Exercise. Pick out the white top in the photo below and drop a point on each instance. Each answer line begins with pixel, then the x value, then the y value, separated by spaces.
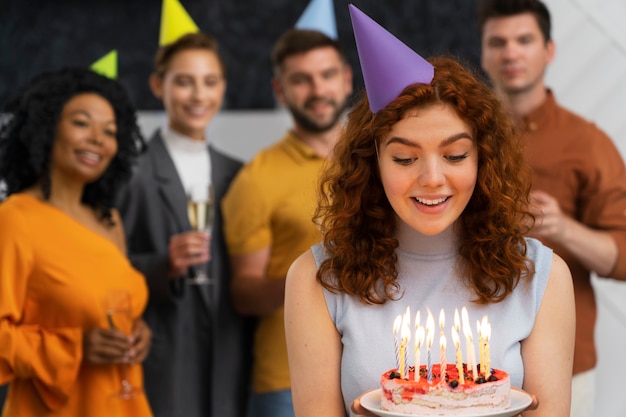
pixel 191 159
pixel 429 279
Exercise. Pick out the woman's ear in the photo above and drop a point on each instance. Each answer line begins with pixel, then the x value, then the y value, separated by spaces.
pixel 156 85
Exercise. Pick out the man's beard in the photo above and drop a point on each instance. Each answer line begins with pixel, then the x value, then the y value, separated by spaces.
pixel 306 123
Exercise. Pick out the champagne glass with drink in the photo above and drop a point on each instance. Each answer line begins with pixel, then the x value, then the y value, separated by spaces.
pixel 119 317
pixel 201 211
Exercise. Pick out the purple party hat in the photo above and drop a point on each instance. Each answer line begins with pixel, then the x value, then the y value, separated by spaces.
pixel 319 15
pixel 388 65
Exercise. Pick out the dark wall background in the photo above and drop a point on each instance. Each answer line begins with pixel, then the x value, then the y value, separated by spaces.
pixel 39 35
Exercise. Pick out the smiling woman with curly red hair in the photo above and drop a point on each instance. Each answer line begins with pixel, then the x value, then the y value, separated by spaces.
pixel 353 197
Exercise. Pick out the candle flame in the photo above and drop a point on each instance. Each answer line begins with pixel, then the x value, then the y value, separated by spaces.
pixel 457 320
pixel 396 324
pixel 478 329
pixel 419 336
pixel 417 319
pixel 487 331
pixel 405 332
pixel 442 341
pixel 467 330
pixel 442 319
pixel 430 329
pixel 484 324
pixel 455 337
pixel 406 325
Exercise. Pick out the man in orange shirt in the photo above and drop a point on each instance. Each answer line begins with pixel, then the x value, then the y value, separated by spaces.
pixel 579 182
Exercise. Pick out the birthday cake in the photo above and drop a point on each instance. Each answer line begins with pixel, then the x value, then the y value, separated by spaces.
pixel 434 396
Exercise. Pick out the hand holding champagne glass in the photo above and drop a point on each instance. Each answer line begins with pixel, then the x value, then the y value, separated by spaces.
pixel 119 317
pixel 201 211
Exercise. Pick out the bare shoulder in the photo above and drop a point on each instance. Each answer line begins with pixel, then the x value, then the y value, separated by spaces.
pixel 560 288
pixel 560 271
pixel 305 260
pixel 303 271
pixel 304 298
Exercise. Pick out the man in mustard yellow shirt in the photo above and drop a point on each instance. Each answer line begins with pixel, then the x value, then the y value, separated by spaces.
pixel 269 207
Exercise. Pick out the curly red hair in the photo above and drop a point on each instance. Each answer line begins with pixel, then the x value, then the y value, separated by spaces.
pixel 358 223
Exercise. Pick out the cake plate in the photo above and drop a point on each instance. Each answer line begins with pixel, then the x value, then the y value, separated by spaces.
pixel 520 400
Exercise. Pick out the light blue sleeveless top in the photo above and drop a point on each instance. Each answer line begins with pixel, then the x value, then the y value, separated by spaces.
pixel 427 277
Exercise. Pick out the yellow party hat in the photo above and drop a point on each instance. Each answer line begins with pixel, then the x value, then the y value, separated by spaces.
pixel 107 65
pixel 175 22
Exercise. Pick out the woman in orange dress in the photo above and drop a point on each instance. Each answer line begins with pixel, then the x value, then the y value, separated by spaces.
pixel 69 144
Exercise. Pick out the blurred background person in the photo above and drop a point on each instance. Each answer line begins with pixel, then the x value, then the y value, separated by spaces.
pixel 198 365
pixel 269 207
pixel 579 184
pixel 65 151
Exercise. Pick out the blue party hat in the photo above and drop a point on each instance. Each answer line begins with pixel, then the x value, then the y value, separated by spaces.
pixel 388 65
pixel 319 15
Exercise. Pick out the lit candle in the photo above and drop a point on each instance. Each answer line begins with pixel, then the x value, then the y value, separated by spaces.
pixel 469 344
pixel 442 345
pixel 459 356
pixel 481 352
pixel 396 328
pixel 442 358
pixel 459 359
pixel 404 343
pixel 484 328
pixel 487 335
pixel 419 339
pixel 402 353
pixel 430 330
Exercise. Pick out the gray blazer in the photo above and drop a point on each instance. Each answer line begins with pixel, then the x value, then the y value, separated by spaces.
pixel 199 362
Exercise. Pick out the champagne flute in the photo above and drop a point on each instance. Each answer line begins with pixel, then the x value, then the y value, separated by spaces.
pixel 201 211
pixel 119 317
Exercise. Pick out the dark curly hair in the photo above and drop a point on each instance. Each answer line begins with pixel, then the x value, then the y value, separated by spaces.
pixel 26 140
pixel 359 224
